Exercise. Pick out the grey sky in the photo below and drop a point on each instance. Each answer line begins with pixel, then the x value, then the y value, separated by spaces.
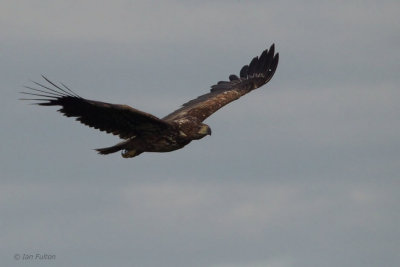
pixel 302 172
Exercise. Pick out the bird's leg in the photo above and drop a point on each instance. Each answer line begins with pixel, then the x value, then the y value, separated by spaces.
pixel 130 153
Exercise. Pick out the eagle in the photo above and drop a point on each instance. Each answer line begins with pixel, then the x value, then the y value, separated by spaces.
pixel 143 132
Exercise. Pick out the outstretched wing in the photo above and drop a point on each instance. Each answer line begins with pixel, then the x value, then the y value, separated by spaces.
pixel 252 76
pixel 121 120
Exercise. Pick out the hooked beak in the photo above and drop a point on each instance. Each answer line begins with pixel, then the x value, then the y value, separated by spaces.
pixel 204 130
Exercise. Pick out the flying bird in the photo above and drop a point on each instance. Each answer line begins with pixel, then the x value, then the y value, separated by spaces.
pixel 143 132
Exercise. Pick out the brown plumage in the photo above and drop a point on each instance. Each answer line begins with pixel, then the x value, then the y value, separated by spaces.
pixel 143 132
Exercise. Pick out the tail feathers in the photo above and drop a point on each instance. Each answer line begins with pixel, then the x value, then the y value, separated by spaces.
pixel 111 149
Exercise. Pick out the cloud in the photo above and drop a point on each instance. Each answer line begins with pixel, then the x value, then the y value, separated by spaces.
pixel 300 172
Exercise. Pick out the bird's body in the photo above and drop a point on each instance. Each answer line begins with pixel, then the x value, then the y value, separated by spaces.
pixel 143 132
pixel 179 134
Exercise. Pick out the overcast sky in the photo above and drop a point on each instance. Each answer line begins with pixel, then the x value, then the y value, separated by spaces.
pixel 301 172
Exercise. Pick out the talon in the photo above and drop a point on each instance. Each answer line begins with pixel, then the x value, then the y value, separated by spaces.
pixel 128 153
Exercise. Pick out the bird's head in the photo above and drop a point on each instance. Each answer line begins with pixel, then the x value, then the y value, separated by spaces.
pixel 200 131
pixel 191 129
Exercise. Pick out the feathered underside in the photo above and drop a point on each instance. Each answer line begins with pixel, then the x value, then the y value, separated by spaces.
pixel 252 76
pixel 121 120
